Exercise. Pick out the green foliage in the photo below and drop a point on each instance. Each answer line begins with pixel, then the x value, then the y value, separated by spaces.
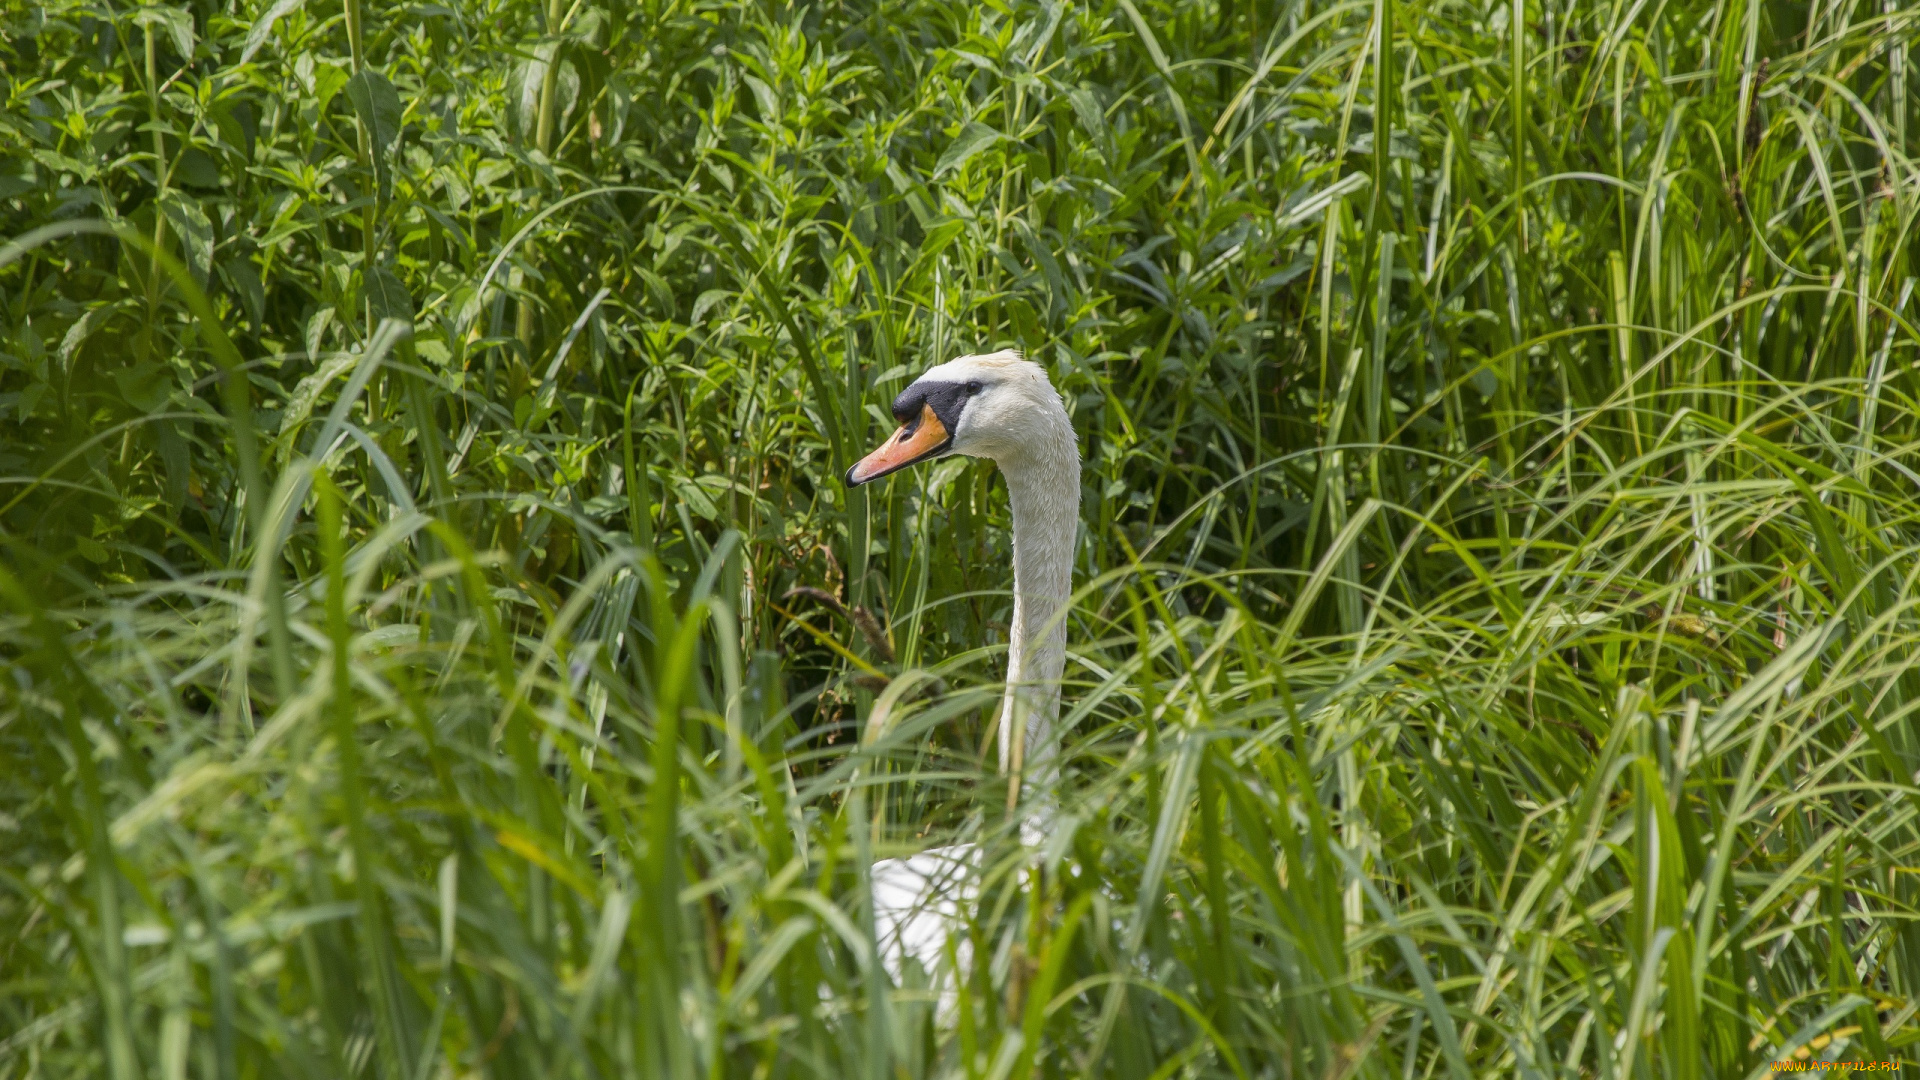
pixel 438 645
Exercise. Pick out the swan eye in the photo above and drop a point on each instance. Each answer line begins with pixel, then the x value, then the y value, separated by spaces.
pixel 973 387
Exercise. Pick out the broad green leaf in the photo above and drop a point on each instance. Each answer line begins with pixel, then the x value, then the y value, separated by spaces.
pixel 383 296
pixel 175 23
pixel 263 26
pixel 378 106
pixel 144 385
pixel 195 232
pixel 973 138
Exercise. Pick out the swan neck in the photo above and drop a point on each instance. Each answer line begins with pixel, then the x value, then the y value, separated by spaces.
pixel 1043 487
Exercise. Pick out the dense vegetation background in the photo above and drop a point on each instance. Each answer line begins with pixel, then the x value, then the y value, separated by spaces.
pixel 437 644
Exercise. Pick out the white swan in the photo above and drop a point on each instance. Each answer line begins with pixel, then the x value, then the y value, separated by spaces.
pixel 1001 407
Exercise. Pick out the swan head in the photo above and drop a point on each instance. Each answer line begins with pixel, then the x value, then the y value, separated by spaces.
pixel 997 406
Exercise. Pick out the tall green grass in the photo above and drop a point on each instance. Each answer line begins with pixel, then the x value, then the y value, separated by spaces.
pixel 437 644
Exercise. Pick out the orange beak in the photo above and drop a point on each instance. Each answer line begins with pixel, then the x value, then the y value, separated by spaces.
pixel 916 440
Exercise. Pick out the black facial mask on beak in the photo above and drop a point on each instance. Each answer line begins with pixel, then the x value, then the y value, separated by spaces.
pixel 928 414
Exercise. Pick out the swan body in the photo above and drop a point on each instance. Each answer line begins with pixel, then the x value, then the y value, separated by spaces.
pixel 917 903
pixel 1001 407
